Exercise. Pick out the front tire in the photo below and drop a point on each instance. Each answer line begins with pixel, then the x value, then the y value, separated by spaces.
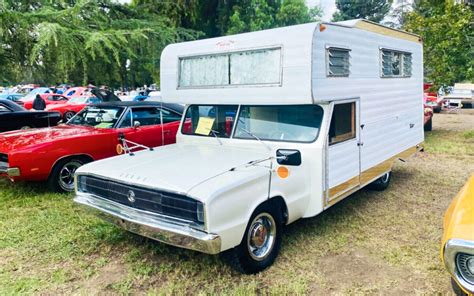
pixel 261 242
pixel 62 175
pixel 381 183
pixel 456 289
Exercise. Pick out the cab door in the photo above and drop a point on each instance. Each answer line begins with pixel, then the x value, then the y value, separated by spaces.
pixel 142 125
pixel 343 151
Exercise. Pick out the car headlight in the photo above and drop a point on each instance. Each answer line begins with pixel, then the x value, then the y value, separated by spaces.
pixel 459 260
pixel 465 266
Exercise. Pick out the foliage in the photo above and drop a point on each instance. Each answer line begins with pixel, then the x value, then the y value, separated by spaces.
pixel 446 29
pixel 261 14
pixel 373 10
pixel 83 42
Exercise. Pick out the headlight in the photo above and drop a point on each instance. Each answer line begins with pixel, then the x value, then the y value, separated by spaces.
pixel 465 266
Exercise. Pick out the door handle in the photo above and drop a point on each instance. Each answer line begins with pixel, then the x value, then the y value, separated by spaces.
pixel 360 144
pixel 167 132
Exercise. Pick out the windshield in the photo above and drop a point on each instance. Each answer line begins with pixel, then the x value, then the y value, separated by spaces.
pixel 32 94
pixel 210 120
pixel 290 123
pixel 300 123
pixel 105 117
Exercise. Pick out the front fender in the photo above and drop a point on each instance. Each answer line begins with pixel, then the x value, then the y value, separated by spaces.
pixel 230 201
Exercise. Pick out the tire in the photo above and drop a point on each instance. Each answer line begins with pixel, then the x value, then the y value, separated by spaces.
pixel 437 109
pixel 381 183
pixel 428 127
pixel 68 115
pixel 456 289
pixel 61 178
pixel 254 255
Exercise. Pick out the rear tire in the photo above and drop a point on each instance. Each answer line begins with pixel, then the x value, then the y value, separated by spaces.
pixel 261 242
pixel 429 125
pixel 61 178
pixel 381 183
pixel 68 115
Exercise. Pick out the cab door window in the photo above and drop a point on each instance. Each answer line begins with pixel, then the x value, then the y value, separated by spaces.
pixel 342 123
pixel 146 116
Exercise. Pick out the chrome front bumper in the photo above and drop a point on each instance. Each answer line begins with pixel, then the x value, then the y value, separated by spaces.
pixel 11 172
pixel 153 226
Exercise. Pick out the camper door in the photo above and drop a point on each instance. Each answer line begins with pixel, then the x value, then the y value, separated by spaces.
pixel 343 150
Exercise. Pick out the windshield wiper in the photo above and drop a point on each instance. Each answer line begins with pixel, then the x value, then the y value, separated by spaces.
pixel 214 133
pixel 255 137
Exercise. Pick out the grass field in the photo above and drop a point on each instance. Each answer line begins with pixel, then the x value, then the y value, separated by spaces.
pixel 370 243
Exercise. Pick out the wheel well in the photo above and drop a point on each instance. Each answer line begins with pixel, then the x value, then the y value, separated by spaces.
pixel 280 204
pixel 85 157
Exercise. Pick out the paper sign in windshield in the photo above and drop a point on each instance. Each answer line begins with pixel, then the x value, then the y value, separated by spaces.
pixel 204 126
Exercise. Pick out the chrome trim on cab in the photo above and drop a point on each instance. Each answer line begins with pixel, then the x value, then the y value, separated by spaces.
pixel 451 249
pixel 157 227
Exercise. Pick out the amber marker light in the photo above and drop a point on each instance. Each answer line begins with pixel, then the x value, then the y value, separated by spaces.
pixel 283 172
pixel 119 149
pixel 322 27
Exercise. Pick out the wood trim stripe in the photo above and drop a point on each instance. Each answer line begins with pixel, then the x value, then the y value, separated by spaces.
pixel 336 190
pixel 344 189
pixel 375 28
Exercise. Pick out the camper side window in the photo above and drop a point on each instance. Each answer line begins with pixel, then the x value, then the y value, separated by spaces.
pixel 338 62
pixel 395 63
pixel 342 123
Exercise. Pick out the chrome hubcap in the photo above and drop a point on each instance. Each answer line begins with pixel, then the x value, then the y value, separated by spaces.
pixel 385 178
pixel 261 236
pixel 66 175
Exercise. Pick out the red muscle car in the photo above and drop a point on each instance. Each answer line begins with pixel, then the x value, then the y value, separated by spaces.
pixel 76 103
pixel 49 99
pixel 53 154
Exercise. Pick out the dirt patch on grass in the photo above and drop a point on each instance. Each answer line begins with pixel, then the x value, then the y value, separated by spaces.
pixel 360 272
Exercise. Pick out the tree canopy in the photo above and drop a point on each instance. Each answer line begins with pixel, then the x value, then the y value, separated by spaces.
pixel 448 40
pixel 372 10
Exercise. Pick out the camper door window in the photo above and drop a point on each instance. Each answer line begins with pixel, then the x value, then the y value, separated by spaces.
pixel 342 123
pixel 251 67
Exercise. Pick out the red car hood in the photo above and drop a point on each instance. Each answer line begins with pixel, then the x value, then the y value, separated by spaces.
pixel 26 139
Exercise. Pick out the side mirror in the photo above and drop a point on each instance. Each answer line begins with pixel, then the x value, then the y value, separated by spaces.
pixel 288 157
pixel 136 124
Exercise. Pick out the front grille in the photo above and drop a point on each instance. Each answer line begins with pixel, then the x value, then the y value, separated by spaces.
pixel 3 157
pixel 160 202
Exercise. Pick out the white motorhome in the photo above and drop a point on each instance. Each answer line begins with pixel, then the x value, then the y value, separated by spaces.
pixel 280 125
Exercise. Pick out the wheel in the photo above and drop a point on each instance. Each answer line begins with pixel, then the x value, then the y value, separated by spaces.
pixel 381 183
pixel 68 115
pixel 261 242
pixel 437 109
pixel 428 127
pixel 62 175
pixel 457 290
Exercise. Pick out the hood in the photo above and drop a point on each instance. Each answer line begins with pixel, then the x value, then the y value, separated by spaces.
pixel 21 139
pixel 175 168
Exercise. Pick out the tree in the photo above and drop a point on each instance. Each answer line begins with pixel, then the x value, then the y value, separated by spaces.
pixel 253 15
pixel 372 10
pixel 446 29
pixel 83 42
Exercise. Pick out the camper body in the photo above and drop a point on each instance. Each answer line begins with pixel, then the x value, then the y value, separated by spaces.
pixel 280 125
